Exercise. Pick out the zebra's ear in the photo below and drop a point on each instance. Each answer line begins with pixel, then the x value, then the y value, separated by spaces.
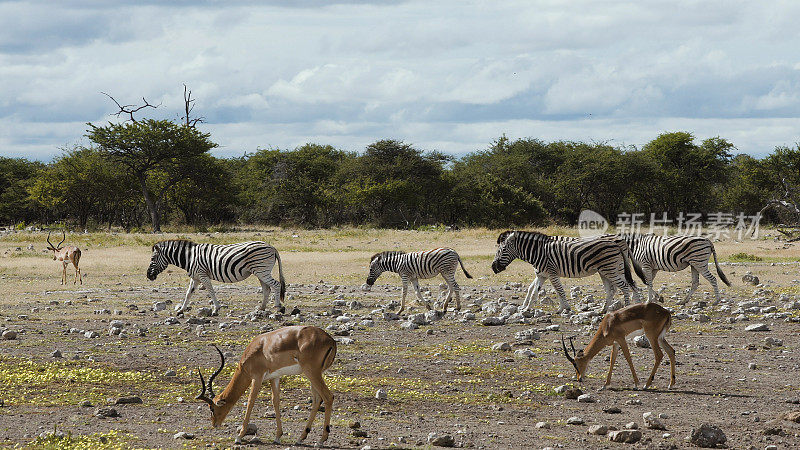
pixel 503 236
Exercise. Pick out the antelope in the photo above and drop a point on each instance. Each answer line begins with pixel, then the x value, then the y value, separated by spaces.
pixel 66 255
pixel 654 319
pixel 290 350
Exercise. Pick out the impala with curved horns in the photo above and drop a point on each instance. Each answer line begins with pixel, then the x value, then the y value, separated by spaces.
pixel 68 254
pixel 654 319
pixel 290 350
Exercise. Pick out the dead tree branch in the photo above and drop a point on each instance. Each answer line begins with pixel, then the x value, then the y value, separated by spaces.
pixel 188 105
pixel 129 110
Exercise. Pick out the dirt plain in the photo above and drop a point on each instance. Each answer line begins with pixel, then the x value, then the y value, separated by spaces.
pixel 442 377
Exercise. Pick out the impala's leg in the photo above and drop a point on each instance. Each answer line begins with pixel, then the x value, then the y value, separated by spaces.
pixel 318 384
pixel 671 354
pixel 614 351
pixel 562 297
pixel 405 291
pixel 695 283
pixel 78 274
pixel 703 269
pixel 659 355
pixel 180 307
pixel 276 405
pixel 624 346
pixel 317 399
pixel 64 273
pixel 422 301
pixel 255 386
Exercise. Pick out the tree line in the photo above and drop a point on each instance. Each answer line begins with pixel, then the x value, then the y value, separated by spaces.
pixel 141 174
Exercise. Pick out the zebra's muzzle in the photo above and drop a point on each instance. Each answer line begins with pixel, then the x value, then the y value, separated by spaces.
pixel 497 268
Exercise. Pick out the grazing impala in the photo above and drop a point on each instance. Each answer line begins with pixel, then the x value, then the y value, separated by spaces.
pixel 290 350
pixel 66 255
pixel 654 319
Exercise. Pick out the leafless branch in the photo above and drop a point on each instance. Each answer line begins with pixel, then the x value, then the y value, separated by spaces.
pixel 130 110
pixel 188 104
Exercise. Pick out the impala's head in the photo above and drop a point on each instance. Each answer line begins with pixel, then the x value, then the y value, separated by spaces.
pixel 158 261
pixel 219 407
pixel 579 362
pixel 55 248
pixel 506 251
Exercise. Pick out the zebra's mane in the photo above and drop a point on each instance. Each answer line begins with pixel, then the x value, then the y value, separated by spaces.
pixel 531 234
pixel 166 241
pixel 386 253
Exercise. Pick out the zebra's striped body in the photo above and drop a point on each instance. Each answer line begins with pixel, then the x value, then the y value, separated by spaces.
pixel 554 257
pixel 673 254
pixel 413 266
pixel 227 263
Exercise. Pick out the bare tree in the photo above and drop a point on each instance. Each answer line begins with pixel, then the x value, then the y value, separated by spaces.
pixel 130 110
pixel 188 106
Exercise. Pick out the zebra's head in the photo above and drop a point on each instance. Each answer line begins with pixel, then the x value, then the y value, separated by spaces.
pixel 376 268
pixel 506 251
pixel 158 262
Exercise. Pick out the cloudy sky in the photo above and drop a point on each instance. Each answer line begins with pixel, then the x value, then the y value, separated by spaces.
pixel 441 75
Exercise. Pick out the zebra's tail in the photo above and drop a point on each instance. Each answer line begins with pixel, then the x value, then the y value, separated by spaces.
pixel 626 264
pixel 280 276
pixel 719 271
pixel 629 261
pixel 462 268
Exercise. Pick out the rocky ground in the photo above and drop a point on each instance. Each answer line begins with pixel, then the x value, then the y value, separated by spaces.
pixel 114 367
pixel 109 365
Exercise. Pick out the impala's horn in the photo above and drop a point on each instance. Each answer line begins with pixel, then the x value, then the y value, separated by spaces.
pixel 214 375
pixel 566 353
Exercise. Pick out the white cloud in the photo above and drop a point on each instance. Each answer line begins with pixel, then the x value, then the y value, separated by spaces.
pixel 446 75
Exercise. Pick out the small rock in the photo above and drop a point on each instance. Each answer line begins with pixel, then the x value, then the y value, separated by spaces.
pixel 502 346
pixel 757 327
pixel 751 279
pixel 56 354
pixel 652 421
pixel 131 400
pixel 586 398
pixel 625 436
pixel 359 433
pixel 170 373
pixel 86 404
pixel 752 366
pixel 792 416
pixel 355 425
pixel 562 389
pixel 598 430
pixel 91 334
pixel 612 410
pixel 441 440
pixel 183 435
pixel 205 311
pixel 572 393
pixel 708 436
pixel 542 425
pixel 252 429
pixel 524 353
pixel 381 394
pixel 9 335
pixel 574 420
pixel 492 321
pixel 409 325
pixel 631 426
pixel 104 413
pixel 641 341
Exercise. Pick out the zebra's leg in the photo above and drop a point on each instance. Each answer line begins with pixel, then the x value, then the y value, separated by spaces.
pixel 562 296
pixel 695 283
pixel 422 301
pixel 533 290
pixel 180 307
pixel 623 286
pixel 405 291
pixel 207 283
pixel 270 285
pixel 711 279
pixel 608 286
pixel 452 288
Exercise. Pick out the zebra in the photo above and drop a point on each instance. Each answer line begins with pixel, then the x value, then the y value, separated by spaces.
pixel 673 254
pixel 227 263
pixel 555 256
pixel 413 266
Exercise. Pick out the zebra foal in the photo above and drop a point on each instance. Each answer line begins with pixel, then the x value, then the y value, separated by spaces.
pixel 227 263
pixel 413 266
pixel 673 254
pixel 554 257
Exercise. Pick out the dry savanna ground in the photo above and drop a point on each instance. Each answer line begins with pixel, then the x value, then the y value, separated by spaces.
pixel 442 377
